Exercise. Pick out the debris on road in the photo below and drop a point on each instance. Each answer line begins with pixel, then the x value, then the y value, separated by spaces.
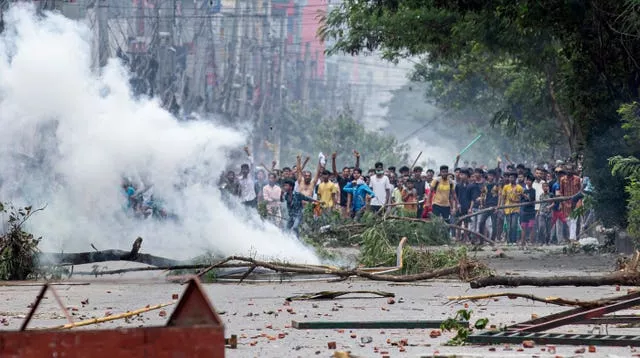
pixel 417 324
pixel 329 295
pixel 550 300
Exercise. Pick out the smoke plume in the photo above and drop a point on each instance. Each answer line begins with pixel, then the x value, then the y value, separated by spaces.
pixel 69 135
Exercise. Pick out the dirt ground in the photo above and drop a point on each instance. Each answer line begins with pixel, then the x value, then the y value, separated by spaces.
pixel 255 310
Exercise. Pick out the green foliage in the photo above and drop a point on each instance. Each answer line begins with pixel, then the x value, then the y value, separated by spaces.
pixel 625 166
pixel 633 206
pixel 376 250
pixel 18 249
pixel 331 229
pixel 629 167
pixel 460 324
pixel 313 132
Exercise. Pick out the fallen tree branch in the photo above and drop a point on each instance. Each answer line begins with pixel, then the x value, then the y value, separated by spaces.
pixel 157 268
pixel 133 255
pixel 330 295
pixel 461 270
pixel 625 279
pixel 550 300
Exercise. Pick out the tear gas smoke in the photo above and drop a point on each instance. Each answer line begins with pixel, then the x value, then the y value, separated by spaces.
pixel 70 135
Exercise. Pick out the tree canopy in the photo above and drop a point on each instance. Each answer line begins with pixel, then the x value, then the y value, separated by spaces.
pixel 534 67
pixel 313 132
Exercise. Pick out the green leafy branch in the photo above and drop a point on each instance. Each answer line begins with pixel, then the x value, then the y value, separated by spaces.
pixel 460 324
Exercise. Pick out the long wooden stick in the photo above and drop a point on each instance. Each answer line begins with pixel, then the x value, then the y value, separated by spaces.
pixel 113 317
pixel 551 300
pixel 415 161
pixel 545 201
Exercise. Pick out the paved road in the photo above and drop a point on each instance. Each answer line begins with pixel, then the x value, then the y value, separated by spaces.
pixel 253 311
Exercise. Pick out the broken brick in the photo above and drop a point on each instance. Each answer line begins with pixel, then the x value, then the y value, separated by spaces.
pixel 162 313
pixel 528 344
pixel 331 345
pixel 580 350
pixel 175 296
pixel 390 300
pixel 592 349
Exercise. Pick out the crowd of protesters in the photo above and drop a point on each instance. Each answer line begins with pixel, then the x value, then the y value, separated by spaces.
pixel 452 195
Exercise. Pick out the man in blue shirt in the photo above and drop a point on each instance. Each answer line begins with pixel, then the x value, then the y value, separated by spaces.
pixel 358 190
pixel 294 201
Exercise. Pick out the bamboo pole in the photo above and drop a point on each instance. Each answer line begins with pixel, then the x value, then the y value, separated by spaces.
pixel 113 317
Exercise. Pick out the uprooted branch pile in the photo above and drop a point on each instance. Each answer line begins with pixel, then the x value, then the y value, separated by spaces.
pixel 18 249
pixel 331 229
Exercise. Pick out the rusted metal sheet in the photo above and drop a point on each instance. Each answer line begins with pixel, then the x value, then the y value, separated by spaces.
pixel 193 330
pixel 535 329
pixel 577 316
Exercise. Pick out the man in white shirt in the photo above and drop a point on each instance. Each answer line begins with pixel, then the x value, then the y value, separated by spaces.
pixel 247 184
pixel 537 185
pixel 381 186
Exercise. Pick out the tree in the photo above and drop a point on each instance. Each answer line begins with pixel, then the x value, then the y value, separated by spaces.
pixel 311 132
pixel 584 51
pixel 629 167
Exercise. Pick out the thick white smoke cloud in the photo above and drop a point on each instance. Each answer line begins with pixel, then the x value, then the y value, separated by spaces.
pixel 101 134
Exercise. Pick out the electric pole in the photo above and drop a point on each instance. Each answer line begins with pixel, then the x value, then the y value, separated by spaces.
pixel 232 66
pixel 103 34
pixel 265 64
pixel 245 53
pixel 279 117
pixel 305 77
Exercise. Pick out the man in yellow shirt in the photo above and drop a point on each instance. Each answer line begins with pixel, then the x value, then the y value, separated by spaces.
pixel 328 191
pixel 512 194
pixel 443 196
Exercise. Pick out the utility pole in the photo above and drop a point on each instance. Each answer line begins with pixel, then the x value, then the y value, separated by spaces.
pixel 245 53
pixel 305 77
pixel 103 34
pixel 265 65
pixel 279 117
pixel 228 102
pixel 165 50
